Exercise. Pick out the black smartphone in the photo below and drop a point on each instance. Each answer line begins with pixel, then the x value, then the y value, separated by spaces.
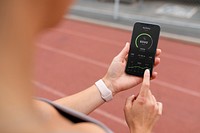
pixel 143 48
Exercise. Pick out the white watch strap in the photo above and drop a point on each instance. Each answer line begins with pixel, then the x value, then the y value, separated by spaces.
pixel 106 93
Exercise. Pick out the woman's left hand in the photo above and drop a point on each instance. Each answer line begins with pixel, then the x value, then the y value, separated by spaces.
pixel 117 80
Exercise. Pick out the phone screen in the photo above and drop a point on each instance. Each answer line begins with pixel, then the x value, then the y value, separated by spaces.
pixel 143 48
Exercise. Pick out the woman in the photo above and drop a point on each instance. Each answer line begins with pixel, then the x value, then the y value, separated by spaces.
pixel 21 21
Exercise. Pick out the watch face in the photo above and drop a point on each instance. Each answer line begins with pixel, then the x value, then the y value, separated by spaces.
pixel 143 48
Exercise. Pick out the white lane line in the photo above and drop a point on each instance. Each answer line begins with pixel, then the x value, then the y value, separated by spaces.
pixel 187 91
pixel 75 56
pixel 74 33
pixel 103 40
pixel 182 59
pixel 110 116
pixel 48 89
pixel 177 88
pixel 97 111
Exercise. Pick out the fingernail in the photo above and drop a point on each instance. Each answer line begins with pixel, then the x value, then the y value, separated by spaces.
pixel 127 43
pixel 147 72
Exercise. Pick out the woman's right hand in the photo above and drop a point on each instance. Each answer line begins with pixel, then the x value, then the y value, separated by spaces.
pixel 143 111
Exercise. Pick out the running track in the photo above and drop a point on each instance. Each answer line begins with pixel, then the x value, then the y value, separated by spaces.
pixel 74 55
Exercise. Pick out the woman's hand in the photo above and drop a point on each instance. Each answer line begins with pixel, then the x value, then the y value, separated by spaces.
pixel 116 79
pixel 143 111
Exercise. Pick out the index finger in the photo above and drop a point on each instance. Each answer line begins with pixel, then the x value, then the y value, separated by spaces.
pixel 145 84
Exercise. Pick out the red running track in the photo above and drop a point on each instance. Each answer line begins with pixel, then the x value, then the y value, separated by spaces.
pixel 72 56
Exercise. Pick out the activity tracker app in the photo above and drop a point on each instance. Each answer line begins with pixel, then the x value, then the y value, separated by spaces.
pixel 143 48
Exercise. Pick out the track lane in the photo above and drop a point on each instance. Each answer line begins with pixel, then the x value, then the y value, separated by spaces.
pixel 67 72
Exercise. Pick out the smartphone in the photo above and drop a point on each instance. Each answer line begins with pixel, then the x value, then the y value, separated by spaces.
pixel 143 47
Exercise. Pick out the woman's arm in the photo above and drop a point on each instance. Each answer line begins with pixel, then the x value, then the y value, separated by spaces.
pixel 115 79
pixel 85 101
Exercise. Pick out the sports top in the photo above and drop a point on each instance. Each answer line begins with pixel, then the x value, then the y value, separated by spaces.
pixel 74 116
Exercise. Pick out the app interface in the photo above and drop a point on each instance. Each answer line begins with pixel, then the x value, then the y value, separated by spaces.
pixel 143 48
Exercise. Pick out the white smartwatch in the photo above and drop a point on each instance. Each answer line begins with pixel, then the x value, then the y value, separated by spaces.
pixel 106 93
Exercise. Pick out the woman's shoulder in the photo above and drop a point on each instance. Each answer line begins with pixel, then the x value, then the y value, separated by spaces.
pixel 52 117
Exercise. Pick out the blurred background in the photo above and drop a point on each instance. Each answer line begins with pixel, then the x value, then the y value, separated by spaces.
pixel 175 16
pixel 76 53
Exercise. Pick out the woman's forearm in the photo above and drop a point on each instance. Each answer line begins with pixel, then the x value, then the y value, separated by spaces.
pixel 85 101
